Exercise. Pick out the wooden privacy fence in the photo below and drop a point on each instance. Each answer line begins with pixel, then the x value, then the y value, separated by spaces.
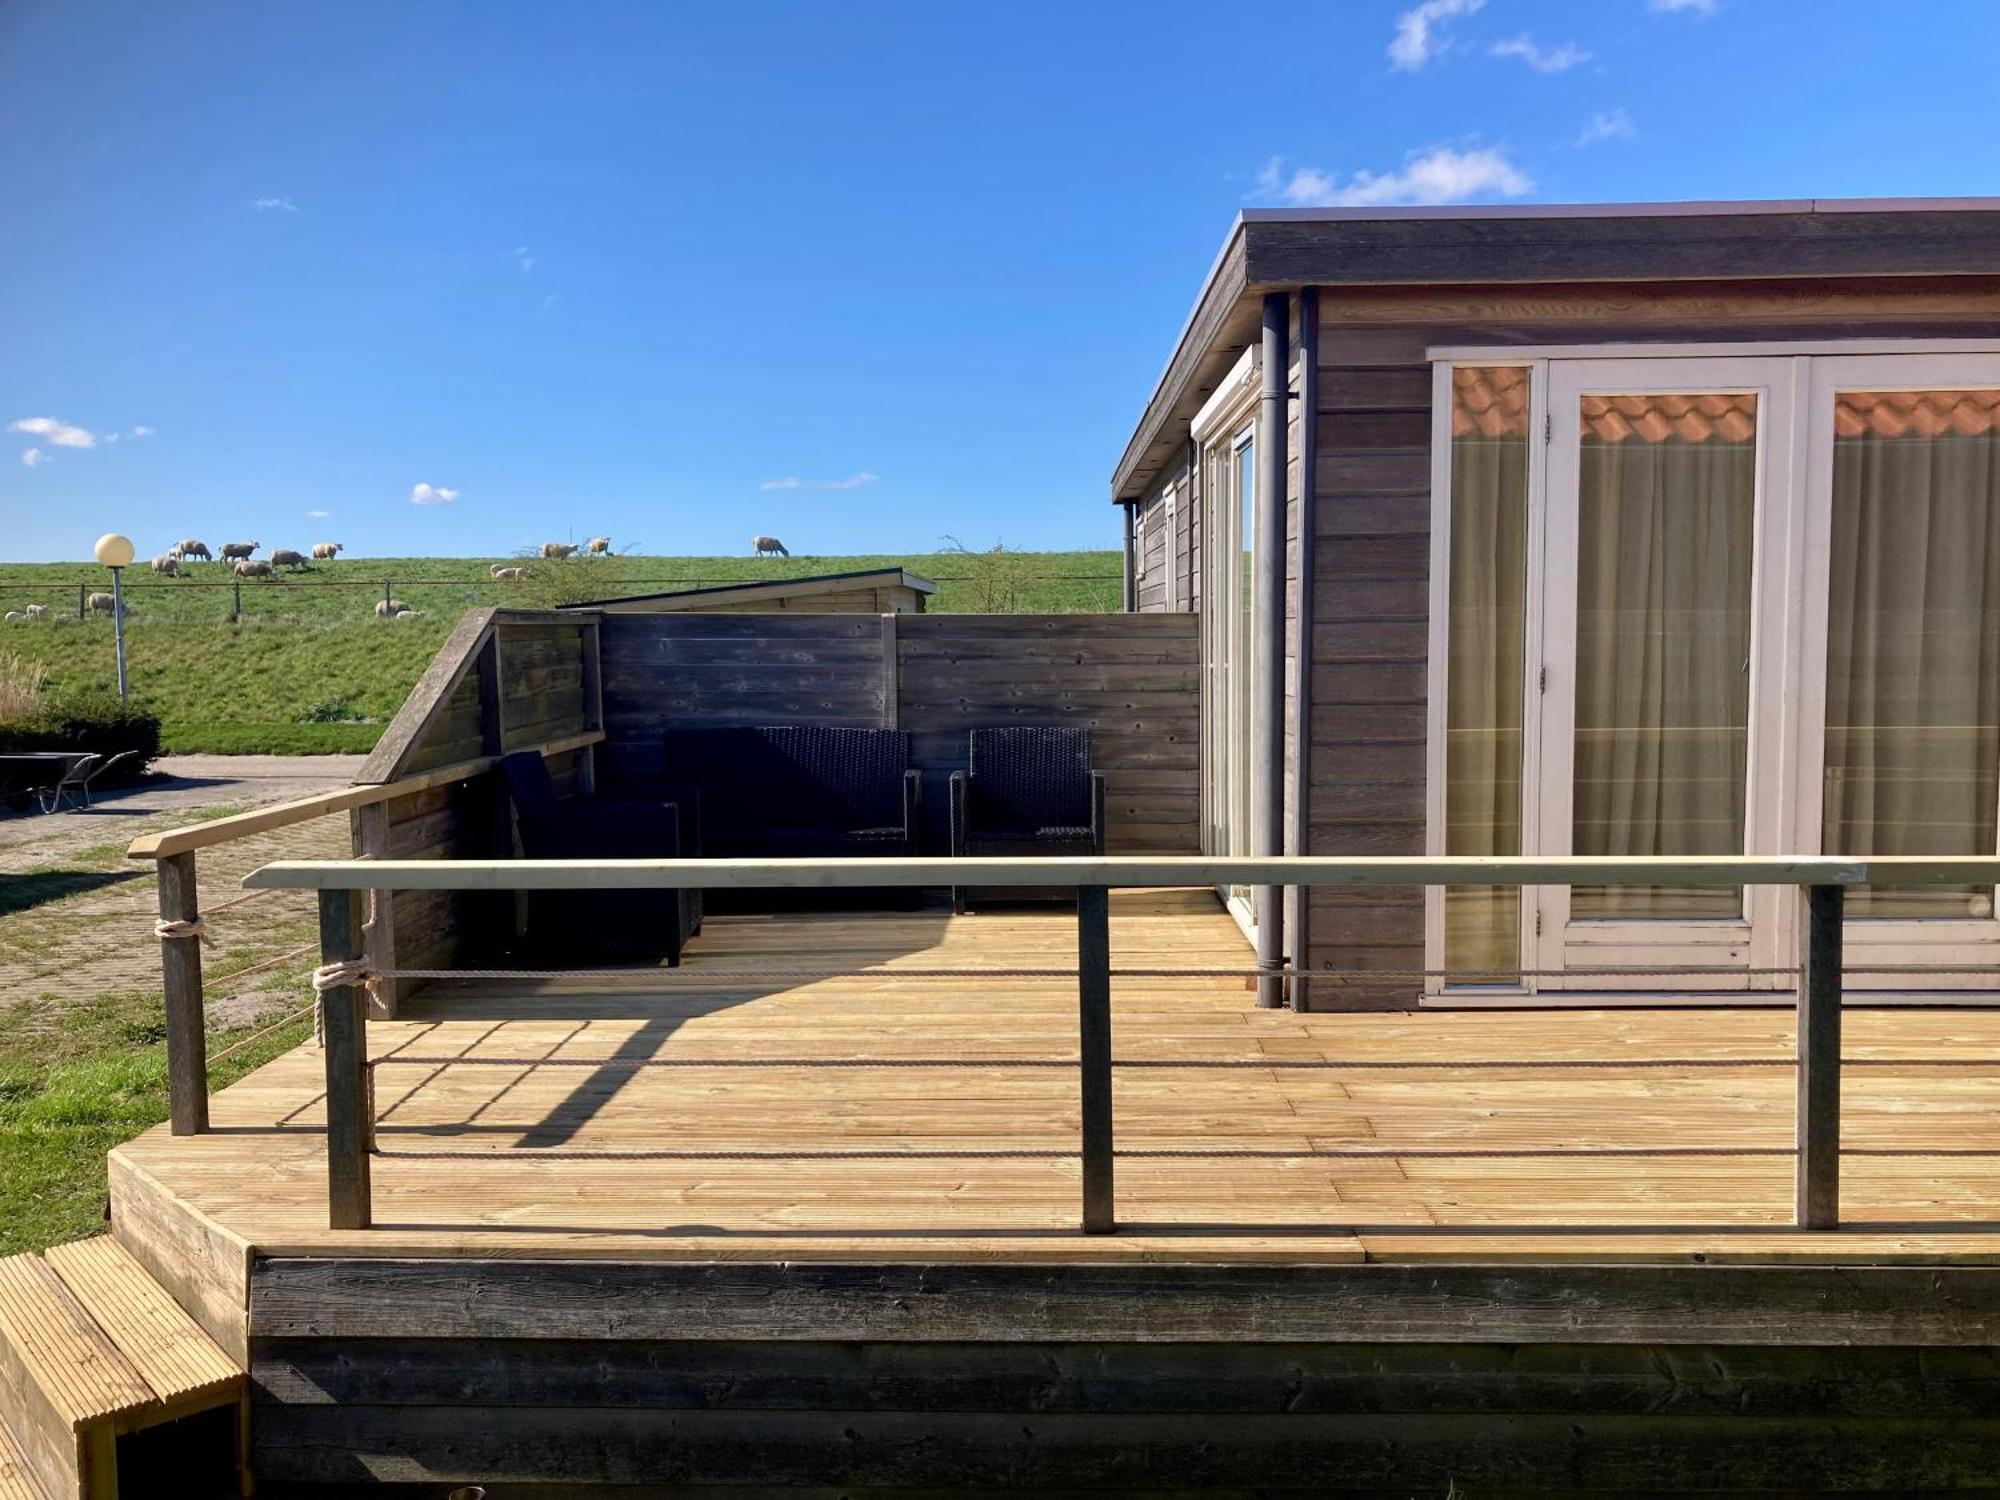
pixel 505 680
pixel 345 970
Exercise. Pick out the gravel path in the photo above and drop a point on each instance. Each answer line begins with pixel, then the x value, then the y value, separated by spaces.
pixel 76 916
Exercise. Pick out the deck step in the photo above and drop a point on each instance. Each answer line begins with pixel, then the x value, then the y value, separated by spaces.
pixel 17 1479
pixel 90 1348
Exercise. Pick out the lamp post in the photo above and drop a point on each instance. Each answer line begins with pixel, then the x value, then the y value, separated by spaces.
pixel 115 552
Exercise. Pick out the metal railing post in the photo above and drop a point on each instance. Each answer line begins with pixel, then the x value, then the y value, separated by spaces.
pixel 1093 988
pixel 180 973
pixel 1818 1120
pixel 349 1126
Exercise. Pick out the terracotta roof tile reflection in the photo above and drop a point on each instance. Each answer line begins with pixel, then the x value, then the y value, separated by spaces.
pixel 1492 402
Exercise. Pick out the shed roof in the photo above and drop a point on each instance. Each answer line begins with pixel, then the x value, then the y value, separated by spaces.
pixel 772 588
pixel 1280 249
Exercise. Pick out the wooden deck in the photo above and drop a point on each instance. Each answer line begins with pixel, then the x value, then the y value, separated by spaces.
pixel 887 1119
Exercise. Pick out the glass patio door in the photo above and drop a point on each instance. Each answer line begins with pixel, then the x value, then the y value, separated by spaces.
pixel 1228 621
pixel 1900 745
pixel 1661 675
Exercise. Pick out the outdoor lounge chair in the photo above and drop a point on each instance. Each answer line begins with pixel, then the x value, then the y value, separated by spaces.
pixel 70 784
pixel 797 789
pixel 1025 792
pixel 635 925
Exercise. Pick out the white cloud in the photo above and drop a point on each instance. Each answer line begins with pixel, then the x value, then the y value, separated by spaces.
pixel 1524 48
pixel 1442 174
pixel 275 205
pixel 141 432
pixel 523 258
pixel 793 482
pixel 317 515
pixel 34 458
pixel 1611 125
pixel 431 494
pixel 1420 35
pixel 1672 7
pixel 62 434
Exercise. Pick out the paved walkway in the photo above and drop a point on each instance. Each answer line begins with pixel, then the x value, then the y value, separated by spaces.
pixel 76 916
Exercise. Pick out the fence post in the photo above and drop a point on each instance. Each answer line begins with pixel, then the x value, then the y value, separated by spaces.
pixel 236 594
pixel 388 591
pixel 349 1126
pixel 81 590
pixel 1818 1118
pixel 180 969
pixel 1093 986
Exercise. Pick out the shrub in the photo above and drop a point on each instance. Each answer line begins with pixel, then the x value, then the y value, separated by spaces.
pixel 92 719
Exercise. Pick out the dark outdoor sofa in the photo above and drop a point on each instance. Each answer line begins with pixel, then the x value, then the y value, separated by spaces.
pixel 643 926
pixel 1026 791
pixel 796 789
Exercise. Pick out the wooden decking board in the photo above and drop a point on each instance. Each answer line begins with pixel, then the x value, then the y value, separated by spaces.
pixel 68 1356
pixel 957 1136
pixel 178 1361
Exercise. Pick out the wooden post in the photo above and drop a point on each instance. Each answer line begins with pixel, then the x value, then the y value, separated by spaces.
pixel 82 591
pixel 371 841
pixel 1093 987
pixel 1819 1059
pixel 180 968
pixel 236 596
pixel 349 1126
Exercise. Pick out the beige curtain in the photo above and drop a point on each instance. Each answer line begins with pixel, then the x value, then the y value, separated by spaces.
pixel 1484 681
pixel 1665 532
pixel 1913 639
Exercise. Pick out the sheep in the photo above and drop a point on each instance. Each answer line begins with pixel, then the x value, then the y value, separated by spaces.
pixel 285 557
pixel 245 568
pixel 102 604
pixel 188 548
pixel 388 609
pixel 508 575
pixel 167 564
pixel 763 544
pixel 556 551
pixel 36 611
pixel 237 550
pixel 326 551
pixel 599 545
pixel 15 617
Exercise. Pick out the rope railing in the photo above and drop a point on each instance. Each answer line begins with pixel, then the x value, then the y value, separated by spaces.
pixel 343 977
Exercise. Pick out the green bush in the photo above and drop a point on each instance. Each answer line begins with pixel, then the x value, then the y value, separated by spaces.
pixel 89 719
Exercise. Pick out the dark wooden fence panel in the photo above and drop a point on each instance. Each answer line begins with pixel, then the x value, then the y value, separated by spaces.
pixel 1132 680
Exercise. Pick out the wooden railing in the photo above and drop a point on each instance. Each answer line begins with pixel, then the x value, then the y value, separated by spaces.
pixel 435 741
pixel 1821 882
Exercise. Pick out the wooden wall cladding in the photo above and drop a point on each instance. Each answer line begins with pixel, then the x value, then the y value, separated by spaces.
pixel 1132 680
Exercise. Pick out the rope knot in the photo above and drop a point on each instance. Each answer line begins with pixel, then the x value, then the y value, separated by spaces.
pixel 343 975
pixel 193 928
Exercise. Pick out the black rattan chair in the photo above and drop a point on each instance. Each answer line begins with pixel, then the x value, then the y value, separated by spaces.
pixel 797 789
pixel 635 925
pixel 1025 792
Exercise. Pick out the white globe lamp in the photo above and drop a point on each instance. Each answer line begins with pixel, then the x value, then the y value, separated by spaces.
pixel 116 553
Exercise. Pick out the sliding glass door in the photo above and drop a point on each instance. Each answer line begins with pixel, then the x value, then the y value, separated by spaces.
pixel 1229 617
pixel 1712 606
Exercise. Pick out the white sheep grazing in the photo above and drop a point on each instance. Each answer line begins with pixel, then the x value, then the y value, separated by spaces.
pixel 235 550
pixel 388 609
pixel 599 545
pixel 285 557
pixel 246 568
pixel 763 544
pixel 168 564
pixel 102 604
pixel 15 617
pixel 189 548
pixel 556 551
pixel 326 551
pixel 36 611
pixel 508 575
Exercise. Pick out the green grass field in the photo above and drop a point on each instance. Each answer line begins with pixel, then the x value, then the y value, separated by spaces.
pixel 309 668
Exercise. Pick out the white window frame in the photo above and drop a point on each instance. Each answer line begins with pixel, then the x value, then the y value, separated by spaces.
pixel 1793 537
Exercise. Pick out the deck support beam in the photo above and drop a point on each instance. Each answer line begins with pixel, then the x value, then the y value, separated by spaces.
pixel 349 1117
pixel 1267 701
pixel 1093 988
pixel 180 970
pixel 1818 1119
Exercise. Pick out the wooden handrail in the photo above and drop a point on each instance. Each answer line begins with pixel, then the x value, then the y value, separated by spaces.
pixel 1117 870
pixel 174 841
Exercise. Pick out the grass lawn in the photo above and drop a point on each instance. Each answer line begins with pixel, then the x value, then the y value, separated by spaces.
pixel 309 668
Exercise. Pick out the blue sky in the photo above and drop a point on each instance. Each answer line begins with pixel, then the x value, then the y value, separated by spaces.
pixel 857 275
